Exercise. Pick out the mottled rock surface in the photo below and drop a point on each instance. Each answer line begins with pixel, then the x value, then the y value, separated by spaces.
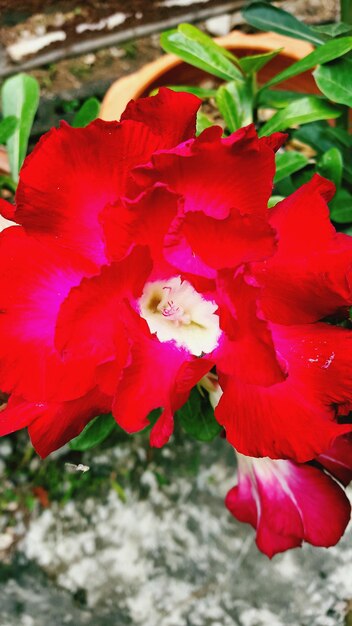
pixel 164 551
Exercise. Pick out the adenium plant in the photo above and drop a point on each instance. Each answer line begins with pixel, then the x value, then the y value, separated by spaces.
pixel 144 266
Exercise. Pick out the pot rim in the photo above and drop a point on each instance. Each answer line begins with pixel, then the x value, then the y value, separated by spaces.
pixel 134 85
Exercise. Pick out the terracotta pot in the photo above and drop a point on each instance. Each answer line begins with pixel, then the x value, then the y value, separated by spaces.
pixel 4 161
pixel 169 70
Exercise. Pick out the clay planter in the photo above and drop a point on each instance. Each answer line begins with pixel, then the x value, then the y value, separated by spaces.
pixel 169 70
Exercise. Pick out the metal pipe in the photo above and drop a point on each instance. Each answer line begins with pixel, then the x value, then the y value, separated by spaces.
pixel 111 39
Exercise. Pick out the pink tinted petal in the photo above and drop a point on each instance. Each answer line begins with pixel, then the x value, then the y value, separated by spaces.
pixel 338 459
pixel 269 421
pixel 240 501
pixel 35 278
pixel 288 504
pixel 309 277
pixel 181 255
pixel 168 114
pixel 90 320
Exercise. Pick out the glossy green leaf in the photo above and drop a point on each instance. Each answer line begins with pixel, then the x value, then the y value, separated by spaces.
pixel 7 183
pixel 341 207
pixel 299 112
pixel 330 165
pixel 277 98
pixel 94 433
pixel 329 51
pixel 335 81
pixel 191 31
pixel 202 123
pixel 196 48
pixel 347 172
pixel 7 127
pixel 235 103
pixel 333 30
pixel 254 63
pixel 287 163
pixel 269 18
pixel 200 92
pixel 273 201
pixel 341 135
pixel 197 418
pixel 315 134
pixel 88 112
pixel 20 97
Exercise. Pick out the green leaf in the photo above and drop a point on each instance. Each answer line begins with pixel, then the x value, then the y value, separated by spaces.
pixel 235 103
pixel 196 48
pixel 269 18
pixel 315 134
pixel 200 92
pixel 287 163
pixel 94 433
pixel 277 98
pixel 88 112
pixel 7 183
pixel 197 418
pixel 335 81
pixel 330 165
pixel 341 207
pixel 333 30
pixel 7 127
pixel 191 31
pixel 20 97
pixel 298 112
pixel 254 63
pixel 202 123
pixel 341 135
pixel 327 52
pixel 273 201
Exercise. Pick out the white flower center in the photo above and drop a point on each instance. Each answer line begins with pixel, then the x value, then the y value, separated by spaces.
pixel 177 312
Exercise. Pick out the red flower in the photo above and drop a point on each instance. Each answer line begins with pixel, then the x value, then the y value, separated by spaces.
pixel 142 258
pixel 288 503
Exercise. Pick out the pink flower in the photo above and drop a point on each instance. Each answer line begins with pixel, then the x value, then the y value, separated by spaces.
pixel 144 257
pixel 287 503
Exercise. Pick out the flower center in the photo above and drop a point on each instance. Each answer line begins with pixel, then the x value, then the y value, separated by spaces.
pixel 175 311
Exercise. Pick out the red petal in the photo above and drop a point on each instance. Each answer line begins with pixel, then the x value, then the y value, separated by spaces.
pixel 7 210
pixel 91 319
pixel 288 504
pixel 215 175
pixel 338 459
pixel 295 418
pixel 34 280
pixel 309 276
pixel 168 114
pixel 160 375
pixel 144 221
pixel 51 425
pixel 246 350
pixel 74 172
pixel 228 242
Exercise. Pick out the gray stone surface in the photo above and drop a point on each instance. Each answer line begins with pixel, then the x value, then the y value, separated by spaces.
pixel 169 555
